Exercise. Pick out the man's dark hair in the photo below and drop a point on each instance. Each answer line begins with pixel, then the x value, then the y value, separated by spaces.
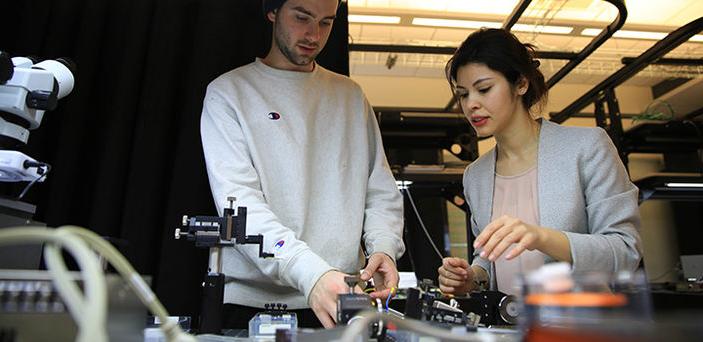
pixel 272 5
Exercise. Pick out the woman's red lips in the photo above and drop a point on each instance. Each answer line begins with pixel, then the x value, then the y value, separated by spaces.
pixel 478 121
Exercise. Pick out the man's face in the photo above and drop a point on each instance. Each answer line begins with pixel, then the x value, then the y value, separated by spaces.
pixel 301 29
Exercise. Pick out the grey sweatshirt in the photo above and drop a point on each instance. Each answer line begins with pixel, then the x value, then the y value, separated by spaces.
pixel 302 151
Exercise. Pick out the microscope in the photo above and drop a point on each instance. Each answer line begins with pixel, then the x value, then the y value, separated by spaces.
pixel 27 90
pixel 215 232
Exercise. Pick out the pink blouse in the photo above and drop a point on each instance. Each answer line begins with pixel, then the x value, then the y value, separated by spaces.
pixel 516 196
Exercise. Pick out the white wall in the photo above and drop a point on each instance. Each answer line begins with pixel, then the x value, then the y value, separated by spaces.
pixel 385 91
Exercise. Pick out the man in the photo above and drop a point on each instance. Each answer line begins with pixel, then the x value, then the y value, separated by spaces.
pixel 299 146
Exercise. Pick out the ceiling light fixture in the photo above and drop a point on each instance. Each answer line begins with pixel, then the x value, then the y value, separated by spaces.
pixel 373 19
pixel 627 34
pixel 543 28
pixel 684 185
pixel 435 22
pixel 494 7
pixel 455 23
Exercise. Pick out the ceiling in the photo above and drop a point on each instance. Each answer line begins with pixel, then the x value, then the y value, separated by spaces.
pixel 574 17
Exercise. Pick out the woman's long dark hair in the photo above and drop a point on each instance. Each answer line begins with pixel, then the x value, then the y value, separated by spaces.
pixel 501 51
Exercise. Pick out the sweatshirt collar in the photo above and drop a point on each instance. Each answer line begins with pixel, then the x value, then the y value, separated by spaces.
pixel 288 74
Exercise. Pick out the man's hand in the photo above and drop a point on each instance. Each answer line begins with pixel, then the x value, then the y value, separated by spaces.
pixel 455 276
pixel 323 297
pixel 385 275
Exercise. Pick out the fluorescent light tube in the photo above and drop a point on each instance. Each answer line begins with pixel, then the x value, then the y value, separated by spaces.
pixel 543 28
pixel 627 34
pixel 472 24
pixel 373 19
pixel 455 23
pixel 684 185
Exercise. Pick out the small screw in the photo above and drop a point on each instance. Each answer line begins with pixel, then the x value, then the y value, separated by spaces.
pixel 231 200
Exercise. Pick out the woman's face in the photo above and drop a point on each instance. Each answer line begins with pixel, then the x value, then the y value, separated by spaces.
pixel 488 100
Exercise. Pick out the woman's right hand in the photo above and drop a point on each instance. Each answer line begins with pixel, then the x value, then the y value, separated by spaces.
pixel 455 276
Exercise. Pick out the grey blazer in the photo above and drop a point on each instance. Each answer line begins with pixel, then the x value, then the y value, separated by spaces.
pixel 583 190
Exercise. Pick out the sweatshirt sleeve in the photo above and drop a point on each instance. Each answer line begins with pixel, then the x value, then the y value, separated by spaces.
pixel 231 173
pixel 612 243
pixel 383 215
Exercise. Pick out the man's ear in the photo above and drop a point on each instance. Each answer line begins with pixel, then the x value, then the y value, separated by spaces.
pixel 272 15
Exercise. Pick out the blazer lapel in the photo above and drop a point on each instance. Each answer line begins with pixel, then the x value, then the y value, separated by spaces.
pixel 545 173
pixel 486 175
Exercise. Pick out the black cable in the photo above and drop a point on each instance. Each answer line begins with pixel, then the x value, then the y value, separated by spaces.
pixel 422 225
pixel 42 172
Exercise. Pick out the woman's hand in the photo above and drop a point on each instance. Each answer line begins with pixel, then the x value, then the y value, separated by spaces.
pixel 505 231
pixel 455 276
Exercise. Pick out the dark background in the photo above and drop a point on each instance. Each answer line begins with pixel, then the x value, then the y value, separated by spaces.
pixel 125 145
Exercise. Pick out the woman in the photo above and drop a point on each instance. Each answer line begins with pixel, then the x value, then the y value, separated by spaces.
pixel 546 192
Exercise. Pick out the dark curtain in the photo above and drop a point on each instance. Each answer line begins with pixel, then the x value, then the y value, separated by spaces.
pixel 125 144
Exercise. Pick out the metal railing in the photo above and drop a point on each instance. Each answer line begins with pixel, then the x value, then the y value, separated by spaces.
pixel 652 55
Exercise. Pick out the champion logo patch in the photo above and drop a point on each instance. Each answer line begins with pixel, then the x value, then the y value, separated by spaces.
pixel 279 244
pixel 274 116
